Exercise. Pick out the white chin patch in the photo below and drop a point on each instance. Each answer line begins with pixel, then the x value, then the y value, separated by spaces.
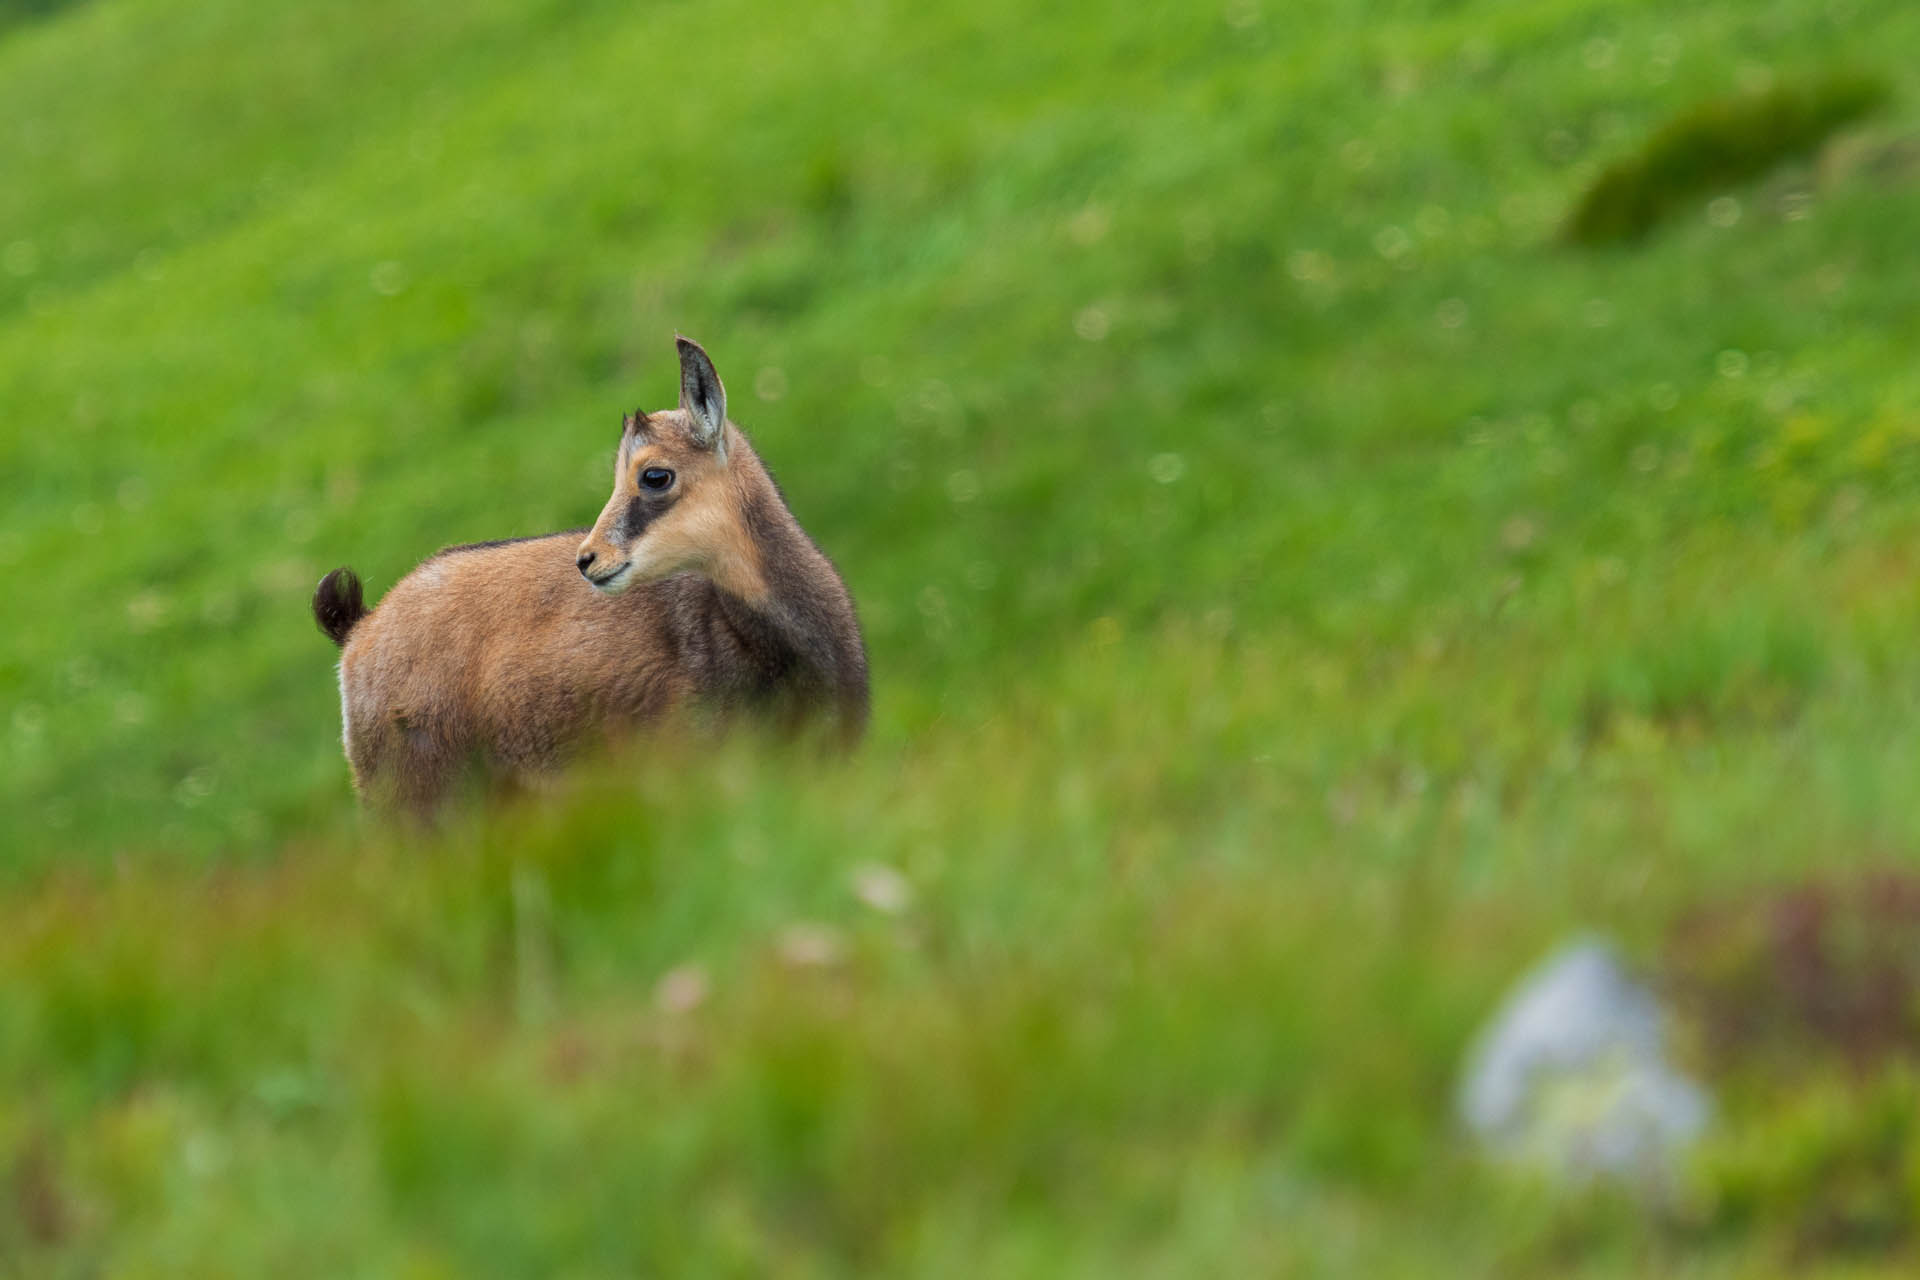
pixel 619 582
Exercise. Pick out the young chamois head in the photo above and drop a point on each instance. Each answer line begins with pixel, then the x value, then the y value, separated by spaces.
pixel 674 506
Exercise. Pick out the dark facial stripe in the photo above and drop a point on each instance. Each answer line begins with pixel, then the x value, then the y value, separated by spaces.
pixel 638 516
pixel 642 510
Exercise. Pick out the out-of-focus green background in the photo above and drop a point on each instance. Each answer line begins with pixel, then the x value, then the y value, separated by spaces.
pixel 1303 584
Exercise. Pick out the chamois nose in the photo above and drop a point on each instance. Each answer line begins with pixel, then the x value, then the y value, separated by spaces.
pixel 585 561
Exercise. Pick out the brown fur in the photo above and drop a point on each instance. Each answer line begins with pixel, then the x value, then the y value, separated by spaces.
pixel 505 658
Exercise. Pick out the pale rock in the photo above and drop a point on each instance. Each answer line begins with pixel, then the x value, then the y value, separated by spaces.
pixel 1572 1077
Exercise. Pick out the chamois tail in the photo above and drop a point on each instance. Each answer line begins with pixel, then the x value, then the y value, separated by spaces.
pixel 338 605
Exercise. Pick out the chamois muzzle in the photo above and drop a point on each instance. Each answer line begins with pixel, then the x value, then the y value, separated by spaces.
pixel 605 570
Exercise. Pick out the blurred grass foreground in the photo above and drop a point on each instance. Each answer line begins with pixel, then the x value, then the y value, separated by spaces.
pixel 1303 587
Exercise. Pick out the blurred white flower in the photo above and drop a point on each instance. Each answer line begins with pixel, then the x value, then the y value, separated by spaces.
pixel 681 989
pixel 807 945
pixel 882 888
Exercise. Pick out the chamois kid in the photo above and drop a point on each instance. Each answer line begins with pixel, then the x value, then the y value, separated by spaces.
pixel 695 587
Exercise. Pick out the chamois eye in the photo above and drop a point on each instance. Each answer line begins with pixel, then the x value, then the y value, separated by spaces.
pixel 656 477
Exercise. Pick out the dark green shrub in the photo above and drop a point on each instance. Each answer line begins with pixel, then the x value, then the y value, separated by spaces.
pixel 1714 144
pixel 12 11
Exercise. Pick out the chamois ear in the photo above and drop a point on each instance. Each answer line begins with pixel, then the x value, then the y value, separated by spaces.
pixel 701 394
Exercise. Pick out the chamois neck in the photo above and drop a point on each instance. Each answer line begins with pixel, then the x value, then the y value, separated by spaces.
pixel 783 598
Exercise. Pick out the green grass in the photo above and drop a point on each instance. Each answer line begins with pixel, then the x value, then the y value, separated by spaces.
pixel 1300 592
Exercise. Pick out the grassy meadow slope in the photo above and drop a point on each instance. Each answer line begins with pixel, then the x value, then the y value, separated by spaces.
pixel 1300 589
